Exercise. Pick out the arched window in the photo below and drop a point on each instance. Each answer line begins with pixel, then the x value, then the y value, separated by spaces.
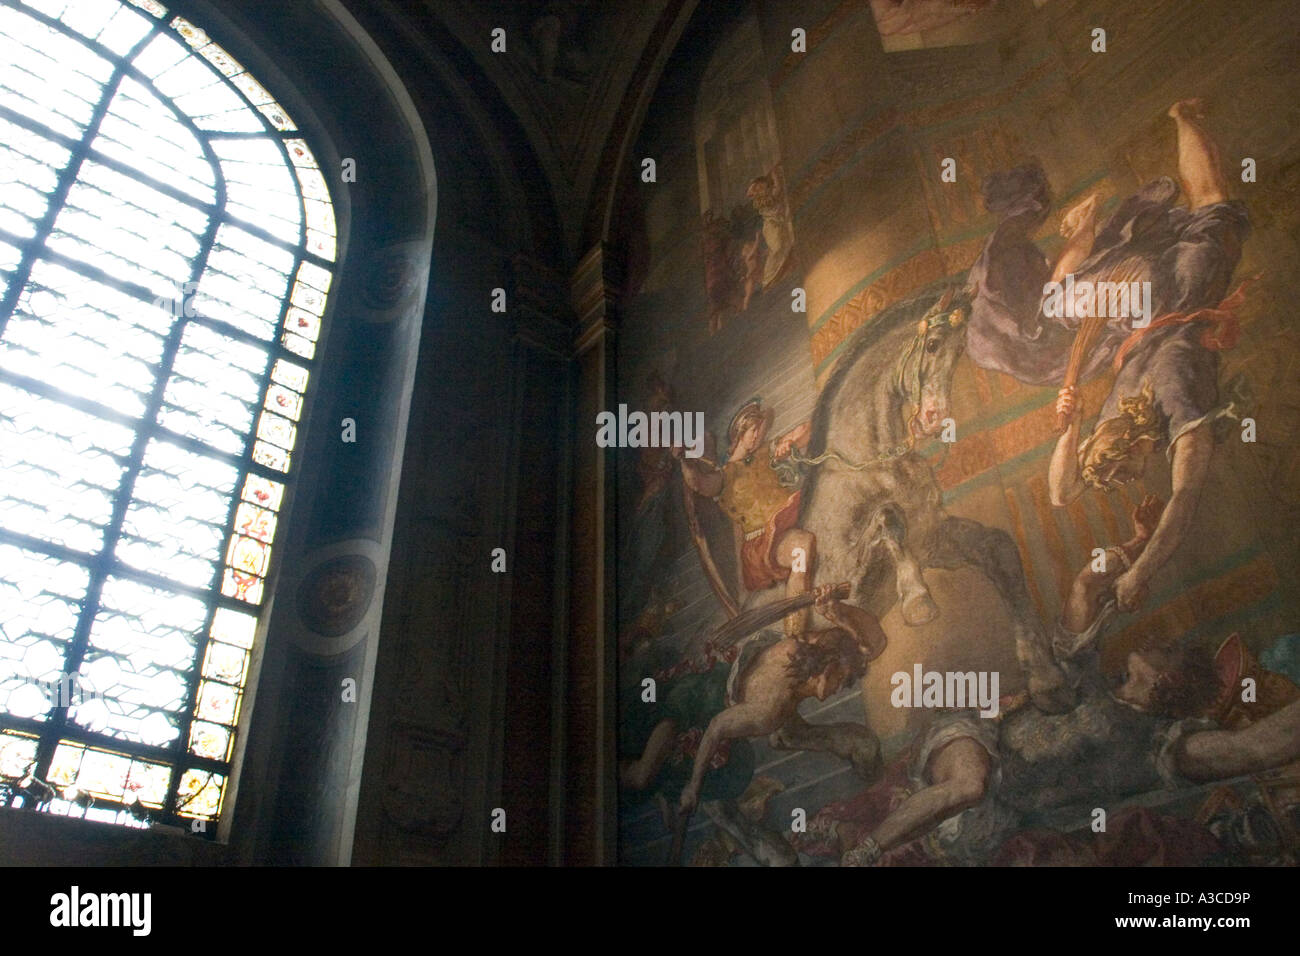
pixel 166 249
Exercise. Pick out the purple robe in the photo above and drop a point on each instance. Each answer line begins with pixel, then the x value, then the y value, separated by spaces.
pixel 1188 256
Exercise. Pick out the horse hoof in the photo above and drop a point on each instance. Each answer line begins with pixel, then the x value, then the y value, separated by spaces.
pixel 919 609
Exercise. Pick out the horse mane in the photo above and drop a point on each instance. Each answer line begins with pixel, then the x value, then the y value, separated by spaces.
pixel 869 335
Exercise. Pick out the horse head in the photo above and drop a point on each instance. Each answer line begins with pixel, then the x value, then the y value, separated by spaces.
pixel 923 374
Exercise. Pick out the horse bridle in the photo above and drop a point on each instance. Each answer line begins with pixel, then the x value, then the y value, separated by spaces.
pixel 941 316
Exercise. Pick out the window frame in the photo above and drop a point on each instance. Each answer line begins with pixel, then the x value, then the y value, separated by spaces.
pixel 101 565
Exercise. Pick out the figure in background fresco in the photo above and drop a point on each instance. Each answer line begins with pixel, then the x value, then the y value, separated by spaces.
pixel 749 252
pixel 762 499
pixel 1161 726
pixel 753 255
pixel 1166 388
pixel 768 689
pixel 557 41
pixel 767 193
pixel 1029 760
pixel 646 545
pixel 895 17
pixel 721 281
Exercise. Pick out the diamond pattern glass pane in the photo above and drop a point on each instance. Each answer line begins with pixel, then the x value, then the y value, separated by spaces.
pixel 40 602
pixel 60 470
pixel 175 522
pixel 93 340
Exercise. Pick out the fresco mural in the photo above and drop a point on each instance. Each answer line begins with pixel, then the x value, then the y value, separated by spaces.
pixel 988 559
pixel 746 249
pixel 910 24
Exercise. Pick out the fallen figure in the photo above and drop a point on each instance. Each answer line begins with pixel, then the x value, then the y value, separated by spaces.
pixel 1173 718
pixel 698 744
pixel 766 694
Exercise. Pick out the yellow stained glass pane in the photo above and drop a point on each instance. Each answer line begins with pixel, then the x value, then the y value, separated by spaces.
pixel 277 430
pixel 17 754
pixel 245 554
pixel 269 456
pixel 200 793
pixel 277 117
pixel 313 275
pixel 218 703
pixel 233 627
pixel 301 322
pixel 284 401
pixel 253 91
pixel 66 762
pixel 191 34
pixel 225 662
pixel 300 153
pixel 151 6
pixel 255 522
pixel 103 774
pixel 298 345
pixel 242 586
pixel 226 64
pixel 290 375
pixel 307 298
pixel 148 781
pixel 263 491
pixel 210 740
pixel 321 244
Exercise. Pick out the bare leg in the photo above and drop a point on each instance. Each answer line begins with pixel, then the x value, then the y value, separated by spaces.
pixel 852 742
pixel 959 776
pixel 640 773
pixel 1198 157
pixel 1079 227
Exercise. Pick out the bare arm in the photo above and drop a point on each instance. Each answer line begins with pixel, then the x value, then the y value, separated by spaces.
pixel 861 624
pixel 1190 466
pixel 1217 754
pixel 1090 587
pixel 796 437
pixel 1064 483
pixel 640 773
pixel 742 720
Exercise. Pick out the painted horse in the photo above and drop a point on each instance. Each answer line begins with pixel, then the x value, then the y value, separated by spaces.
pixel 873 501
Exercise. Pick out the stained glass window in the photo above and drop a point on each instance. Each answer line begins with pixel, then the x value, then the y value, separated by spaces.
pixel 167 245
